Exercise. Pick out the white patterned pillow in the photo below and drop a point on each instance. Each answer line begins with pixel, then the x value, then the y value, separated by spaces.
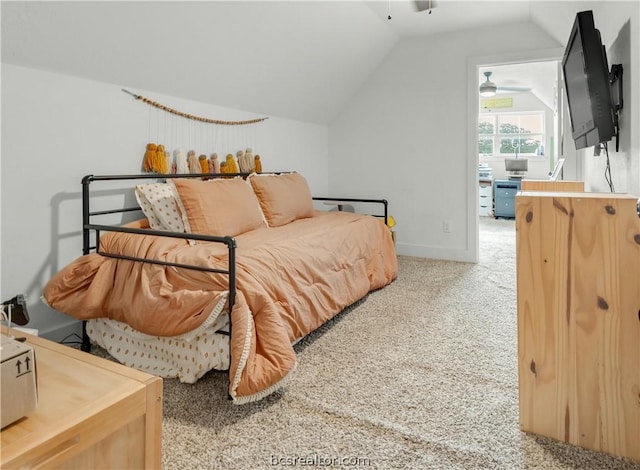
pixel 159 205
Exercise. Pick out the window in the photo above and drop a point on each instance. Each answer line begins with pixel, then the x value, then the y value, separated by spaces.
pixel 509 134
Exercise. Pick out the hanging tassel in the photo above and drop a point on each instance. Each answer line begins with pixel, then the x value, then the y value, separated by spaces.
pixel 149 156
pixel 232 167
pixel 192 161
pixel 257 164
pixel 182 168
pixel 248 160
pixel 204 164
pixel 216 163
pixel 223 167
pixel 159 160
pixel 155 163
pixel 170 166
pixel 240 159
pixel 153 158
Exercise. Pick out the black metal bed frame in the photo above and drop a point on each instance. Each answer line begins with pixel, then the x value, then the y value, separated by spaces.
pixel 87 227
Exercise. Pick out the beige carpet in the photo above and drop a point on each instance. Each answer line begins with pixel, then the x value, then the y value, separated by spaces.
pixel 420 375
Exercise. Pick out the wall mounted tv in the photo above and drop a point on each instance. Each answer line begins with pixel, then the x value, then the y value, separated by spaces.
pixel 588 84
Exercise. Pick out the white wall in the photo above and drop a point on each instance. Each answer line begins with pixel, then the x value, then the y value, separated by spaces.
pixel 58 128
pixel 404 136
pixel 619 25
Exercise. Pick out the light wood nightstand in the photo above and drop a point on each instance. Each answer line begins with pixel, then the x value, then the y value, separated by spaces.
pixel 92 413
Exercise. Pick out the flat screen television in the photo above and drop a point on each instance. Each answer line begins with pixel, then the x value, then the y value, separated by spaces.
pixel 586 78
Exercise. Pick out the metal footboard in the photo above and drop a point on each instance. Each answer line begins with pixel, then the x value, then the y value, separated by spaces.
pixel 88 227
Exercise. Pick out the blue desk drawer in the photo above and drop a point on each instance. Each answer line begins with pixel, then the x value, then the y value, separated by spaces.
pixel 506 192
pixel 505 207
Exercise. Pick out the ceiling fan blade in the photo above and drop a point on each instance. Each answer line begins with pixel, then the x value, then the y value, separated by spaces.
pixel 422 5
pixel 515 89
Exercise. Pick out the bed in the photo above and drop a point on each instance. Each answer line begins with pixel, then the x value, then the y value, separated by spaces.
pixel 225 272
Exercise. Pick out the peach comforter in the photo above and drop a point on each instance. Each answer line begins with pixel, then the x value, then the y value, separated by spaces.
pixel 290 280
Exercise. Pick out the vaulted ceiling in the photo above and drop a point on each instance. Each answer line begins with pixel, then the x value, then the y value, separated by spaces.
pixel 301 60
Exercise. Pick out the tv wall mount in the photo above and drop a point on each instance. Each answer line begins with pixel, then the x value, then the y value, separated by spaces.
pixel 617 102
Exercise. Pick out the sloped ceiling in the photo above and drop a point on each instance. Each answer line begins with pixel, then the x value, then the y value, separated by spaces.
pixel 539 77
pixel 301 60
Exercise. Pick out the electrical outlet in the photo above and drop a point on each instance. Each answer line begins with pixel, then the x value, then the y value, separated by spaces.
pixel 446 226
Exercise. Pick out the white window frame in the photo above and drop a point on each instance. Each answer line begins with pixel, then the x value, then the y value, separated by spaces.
pixel 496 136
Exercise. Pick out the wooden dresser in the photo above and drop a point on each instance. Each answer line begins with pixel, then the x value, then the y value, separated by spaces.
pixel 578 269
pixel 92 413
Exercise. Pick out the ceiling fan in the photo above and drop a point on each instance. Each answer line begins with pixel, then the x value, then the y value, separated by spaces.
pixel 422 5
pixel 489 88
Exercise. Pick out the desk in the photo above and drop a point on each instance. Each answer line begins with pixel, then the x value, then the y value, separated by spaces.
pixel 92 413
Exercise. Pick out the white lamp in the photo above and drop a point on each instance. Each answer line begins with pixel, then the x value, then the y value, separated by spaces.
pixel 488 88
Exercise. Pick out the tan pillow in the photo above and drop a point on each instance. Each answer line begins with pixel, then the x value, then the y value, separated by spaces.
pixel 221 207
pixel 283 198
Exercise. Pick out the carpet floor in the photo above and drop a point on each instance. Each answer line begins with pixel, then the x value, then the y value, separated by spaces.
pixel 421 374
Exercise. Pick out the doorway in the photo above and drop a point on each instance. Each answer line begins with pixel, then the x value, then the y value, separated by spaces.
pixel 529 84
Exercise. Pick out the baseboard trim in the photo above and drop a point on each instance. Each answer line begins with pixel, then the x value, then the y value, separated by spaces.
pixel 424 251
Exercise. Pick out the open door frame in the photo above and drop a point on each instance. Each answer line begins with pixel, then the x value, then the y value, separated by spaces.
pixel 473 66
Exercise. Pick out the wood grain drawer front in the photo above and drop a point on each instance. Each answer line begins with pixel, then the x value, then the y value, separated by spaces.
pixel 92 413
pixel 78 432
pixel 578 301
pixel 122 449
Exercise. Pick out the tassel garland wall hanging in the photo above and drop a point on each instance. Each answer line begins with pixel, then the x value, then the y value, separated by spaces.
pixel 178 130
